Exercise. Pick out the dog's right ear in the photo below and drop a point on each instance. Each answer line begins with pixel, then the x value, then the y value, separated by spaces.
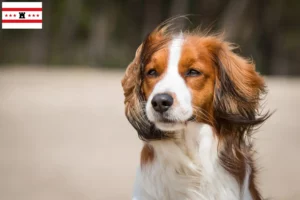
pixel 131 78
pixel 134 100
pixel 132 83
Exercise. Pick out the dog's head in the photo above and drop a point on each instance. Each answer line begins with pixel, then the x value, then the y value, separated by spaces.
pixel 180 77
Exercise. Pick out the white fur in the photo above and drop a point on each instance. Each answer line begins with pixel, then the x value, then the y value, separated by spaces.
pixel 172 82
pixel 187 169
pixel 246 192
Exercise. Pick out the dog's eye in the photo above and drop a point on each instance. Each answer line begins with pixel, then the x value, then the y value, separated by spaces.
pixel 152 73
pixel 192 72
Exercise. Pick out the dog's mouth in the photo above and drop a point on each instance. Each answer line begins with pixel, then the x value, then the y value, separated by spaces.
pixel 172 125
pixel 191 119
pixel 169 121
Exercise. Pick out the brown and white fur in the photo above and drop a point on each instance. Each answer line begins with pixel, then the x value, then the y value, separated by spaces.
pixel 200 147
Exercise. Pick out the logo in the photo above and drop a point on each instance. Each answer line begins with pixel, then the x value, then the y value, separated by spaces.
pixel 22 15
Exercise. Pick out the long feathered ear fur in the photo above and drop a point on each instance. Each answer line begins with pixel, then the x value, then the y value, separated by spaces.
pixel 238 90
pixel 134 102
pixel 132 82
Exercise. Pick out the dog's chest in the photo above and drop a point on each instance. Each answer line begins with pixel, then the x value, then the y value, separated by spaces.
pixel 174 174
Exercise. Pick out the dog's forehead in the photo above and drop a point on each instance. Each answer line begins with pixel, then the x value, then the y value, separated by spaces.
pixel 180 53
pixel 168 51
pixel 160 55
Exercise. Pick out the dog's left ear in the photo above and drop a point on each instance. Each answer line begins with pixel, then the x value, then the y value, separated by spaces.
pixel 238 90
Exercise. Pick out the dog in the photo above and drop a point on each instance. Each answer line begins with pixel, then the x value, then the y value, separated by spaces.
pixel 194 103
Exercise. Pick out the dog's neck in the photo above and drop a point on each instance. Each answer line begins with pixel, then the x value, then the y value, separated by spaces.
pixel 187 167
pixel 196 145
pixel 193 138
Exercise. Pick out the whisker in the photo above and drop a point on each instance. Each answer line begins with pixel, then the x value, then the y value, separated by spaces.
pixel 199 112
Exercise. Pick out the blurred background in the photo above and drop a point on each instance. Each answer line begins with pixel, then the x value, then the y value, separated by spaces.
pixel 106 33
pixel 63 132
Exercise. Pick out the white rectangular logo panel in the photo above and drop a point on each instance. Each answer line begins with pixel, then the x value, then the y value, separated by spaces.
pixel 22 15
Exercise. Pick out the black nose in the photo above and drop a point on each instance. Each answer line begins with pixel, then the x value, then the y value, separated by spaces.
pixel 162 102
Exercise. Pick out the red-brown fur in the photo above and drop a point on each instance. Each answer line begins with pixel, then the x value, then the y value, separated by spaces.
pixel 147 155
pixel 226 95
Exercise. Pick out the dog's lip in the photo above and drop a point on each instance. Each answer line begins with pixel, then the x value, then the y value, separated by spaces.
pixel 168 121
pixel 192 118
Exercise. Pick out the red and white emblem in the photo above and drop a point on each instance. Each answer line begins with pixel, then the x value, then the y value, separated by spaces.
pixel 22 15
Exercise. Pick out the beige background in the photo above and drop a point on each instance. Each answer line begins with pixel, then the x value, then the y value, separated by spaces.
pixel 63 136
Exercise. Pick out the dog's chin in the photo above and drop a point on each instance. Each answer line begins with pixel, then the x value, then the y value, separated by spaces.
pixel 169 126
pixel 165 122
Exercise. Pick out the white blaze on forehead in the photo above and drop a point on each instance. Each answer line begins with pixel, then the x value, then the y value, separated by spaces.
pixel 172 79
pixel 173 83
pixel 175 54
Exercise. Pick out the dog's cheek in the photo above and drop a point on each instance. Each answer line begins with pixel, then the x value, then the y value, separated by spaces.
pixel 202 92
pixel 147 87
